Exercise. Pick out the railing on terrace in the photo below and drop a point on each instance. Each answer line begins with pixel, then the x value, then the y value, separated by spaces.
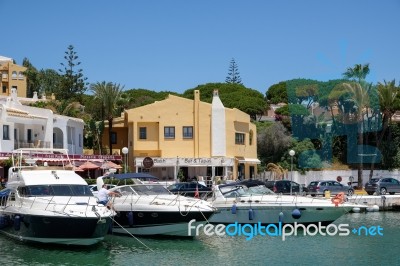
pixel 37 144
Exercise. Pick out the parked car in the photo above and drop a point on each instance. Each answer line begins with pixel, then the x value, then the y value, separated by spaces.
pixel 4 193
pixel 189 189
pixel 319 187
pixel 283 186
pixel 252 182
pixel 382 186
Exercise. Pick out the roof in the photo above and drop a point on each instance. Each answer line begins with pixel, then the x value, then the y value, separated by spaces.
pixel 3 58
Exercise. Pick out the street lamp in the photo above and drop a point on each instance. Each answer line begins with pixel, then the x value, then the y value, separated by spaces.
pixel 125 152
pixel 291 153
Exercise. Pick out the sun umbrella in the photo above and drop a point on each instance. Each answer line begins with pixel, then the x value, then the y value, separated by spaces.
pixel 74 167
pixel 88 166
pixel 109 164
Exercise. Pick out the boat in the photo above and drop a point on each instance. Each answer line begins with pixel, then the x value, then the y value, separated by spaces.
pixel 50 204
pixel 237 203
pixel 149 209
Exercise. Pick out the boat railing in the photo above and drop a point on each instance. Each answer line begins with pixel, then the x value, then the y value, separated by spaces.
pixel 134 199
pixel 47 203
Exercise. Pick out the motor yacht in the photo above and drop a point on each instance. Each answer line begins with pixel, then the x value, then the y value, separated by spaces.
pixel 50 204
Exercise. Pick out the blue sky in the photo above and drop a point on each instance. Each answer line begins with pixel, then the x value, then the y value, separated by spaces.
pixel 178 44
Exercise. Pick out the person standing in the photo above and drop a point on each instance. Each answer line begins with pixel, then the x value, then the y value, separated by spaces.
pixel 104 194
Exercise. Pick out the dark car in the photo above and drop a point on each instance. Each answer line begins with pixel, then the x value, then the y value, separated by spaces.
pixel 320 187
pixel 4 196
pixel 252 182
pixel 382 186
pixel 283 186
pixel 189 189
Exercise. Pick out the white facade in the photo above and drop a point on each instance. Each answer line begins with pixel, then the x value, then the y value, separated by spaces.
pixel 218 129
pixel 25 126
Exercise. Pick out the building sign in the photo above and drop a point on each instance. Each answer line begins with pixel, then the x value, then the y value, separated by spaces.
pixel 71 157
pixel 163 162
pixel 147 162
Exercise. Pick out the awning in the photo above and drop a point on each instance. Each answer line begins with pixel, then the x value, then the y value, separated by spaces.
pixel 248 160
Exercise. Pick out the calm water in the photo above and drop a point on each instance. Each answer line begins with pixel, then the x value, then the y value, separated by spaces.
pixel 298 250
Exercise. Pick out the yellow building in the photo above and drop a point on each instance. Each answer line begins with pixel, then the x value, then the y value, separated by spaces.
pixel 197 138
pixel 12 77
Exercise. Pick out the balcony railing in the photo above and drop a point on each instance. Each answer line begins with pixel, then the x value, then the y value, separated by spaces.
pixel 37 144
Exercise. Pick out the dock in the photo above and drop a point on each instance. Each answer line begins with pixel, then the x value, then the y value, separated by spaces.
pixel 385 202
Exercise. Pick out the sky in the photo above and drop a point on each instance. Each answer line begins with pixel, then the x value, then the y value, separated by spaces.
pixel 179 44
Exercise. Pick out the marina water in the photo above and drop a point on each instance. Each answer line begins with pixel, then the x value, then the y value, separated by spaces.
pixel 353 249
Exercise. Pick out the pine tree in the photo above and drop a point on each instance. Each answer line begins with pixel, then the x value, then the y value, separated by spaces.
pixel 233 73
pixel 73 83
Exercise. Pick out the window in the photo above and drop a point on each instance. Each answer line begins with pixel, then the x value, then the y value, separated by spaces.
pixel 4 89
pixel 187 132
pixel 20 75
pixel 29 135
pixel 6 132
pixel 113 138
pixel 142 133
pixel 251 137
pixel 14 75
pixel 169 132
pixel 239 138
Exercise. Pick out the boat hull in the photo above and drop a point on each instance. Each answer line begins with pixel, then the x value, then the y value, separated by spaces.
pixel 275 214
pixel 81 231
pixel 158 223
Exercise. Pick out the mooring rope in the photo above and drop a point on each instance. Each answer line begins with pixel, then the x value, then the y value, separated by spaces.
pixel 131 234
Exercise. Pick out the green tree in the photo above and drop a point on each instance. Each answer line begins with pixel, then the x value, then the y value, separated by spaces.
pixel 32 78
pixel 109 95
pixel 272 143
pixel 49 81
pixel 277 93
pixel 232 96
pixel 73 83
pixel 233 73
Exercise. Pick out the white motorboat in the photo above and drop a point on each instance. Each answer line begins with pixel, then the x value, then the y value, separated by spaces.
pixel 237 203
pixel 151 210
pixel 50 204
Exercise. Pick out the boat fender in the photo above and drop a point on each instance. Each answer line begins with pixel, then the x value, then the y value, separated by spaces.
pixel 251 214
pixel 338 199
pixel 130 218
pixel 281 217
pixel 233 209
pixel 296 214
pixel 17 222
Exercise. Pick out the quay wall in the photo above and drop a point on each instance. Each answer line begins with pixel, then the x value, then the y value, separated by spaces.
pixel 385 202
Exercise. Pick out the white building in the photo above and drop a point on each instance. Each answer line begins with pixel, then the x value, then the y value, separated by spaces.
pixel 24 126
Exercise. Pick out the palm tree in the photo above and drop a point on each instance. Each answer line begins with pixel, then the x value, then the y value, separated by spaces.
pixel 361 103
pixel 358 72
pixel 360 99
pixel 388 103
pixel 278 171
pixel 109 94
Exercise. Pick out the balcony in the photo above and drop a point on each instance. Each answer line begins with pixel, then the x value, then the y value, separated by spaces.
pixel 37 144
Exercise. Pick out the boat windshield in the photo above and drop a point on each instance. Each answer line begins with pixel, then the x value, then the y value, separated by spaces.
pixel 243 191
pixel 144 189
pixel 55 190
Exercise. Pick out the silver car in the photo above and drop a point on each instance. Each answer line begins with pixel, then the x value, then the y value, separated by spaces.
pixel 382 186
pixel 319 187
